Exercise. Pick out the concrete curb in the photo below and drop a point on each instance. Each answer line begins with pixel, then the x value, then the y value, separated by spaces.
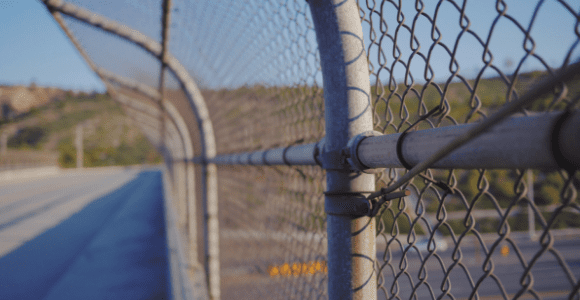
pixel 29 173
pixel 186 282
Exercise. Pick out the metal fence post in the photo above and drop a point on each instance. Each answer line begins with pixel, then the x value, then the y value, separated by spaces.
pixel 531 217
pixel 351 240
pixel 3 143
pixel 211 230
pixel 180 172
pixel 197 104
pixel 79 145
pixel 190 181
pixel 171 111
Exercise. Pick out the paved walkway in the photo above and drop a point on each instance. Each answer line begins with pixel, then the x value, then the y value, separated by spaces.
pixel 101 236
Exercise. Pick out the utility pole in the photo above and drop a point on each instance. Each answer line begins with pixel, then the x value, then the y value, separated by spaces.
pixel 3 143
pixel 531 218
pixel 79 145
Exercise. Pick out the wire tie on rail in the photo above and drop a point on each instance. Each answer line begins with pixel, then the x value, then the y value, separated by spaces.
pixel 435 111
pixel 375 205
pixel 439 183
pixel 354 201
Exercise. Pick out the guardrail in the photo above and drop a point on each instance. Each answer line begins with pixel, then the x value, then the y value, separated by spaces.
pixel 345 190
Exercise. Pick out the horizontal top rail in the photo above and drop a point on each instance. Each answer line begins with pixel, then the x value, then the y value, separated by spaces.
pixel 292 155
pixel 534 141
pixel 518 142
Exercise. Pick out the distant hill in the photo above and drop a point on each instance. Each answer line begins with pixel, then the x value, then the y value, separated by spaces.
pixel 40 125
pixel 19 99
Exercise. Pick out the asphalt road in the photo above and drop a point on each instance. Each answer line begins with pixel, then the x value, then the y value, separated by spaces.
pixel 93 234
pixel 549 279
pixel 99 234
pixel 245 268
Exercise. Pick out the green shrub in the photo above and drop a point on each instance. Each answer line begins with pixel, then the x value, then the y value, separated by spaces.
pixel 67 153
pixel 28 138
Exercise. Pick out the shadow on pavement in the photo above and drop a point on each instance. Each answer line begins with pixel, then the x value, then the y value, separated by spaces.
pixel 115 248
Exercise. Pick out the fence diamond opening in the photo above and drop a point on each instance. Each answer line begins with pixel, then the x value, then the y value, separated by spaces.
pixel 344 149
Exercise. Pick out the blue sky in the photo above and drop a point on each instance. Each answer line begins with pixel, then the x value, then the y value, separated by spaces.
pixel 33 48
pixel 552 30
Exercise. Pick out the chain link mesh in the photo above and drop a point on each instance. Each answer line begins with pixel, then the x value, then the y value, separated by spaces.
pixel 257 64
pixel 144 15
pixel 461 233
pixel 464 233
pixel 272 232
pixel 269 85
pixel 116 55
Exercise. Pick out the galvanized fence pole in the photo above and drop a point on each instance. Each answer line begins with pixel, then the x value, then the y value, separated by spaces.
pixel 3 143
pixel 180 172
pixel 211 232
pixel 199 107
pixel 110 89
pixel 176 118
pixel 165 19
pixel 351 237
pixel 190 182
pixel 181 185
pixel 530 195
pixel 79 145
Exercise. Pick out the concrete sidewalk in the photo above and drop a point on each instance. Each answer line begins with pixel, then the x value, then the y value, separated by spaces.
pixel 114 248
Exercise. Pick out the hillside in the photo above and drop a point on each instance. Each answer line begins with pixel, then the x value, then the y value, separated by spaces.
pixel 298 112
pixel 18 100
pixel 46 130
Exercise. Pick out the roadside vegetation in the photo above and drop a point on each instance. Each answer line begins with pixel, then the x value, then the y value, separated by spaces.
pixel 295 108
pixel 109 138
pixel 493 190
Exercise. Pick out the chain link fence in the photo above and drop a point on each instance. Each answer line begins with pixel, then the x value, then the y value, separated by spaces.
pixel 457 211
pixel 472 233
pixel 262 94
